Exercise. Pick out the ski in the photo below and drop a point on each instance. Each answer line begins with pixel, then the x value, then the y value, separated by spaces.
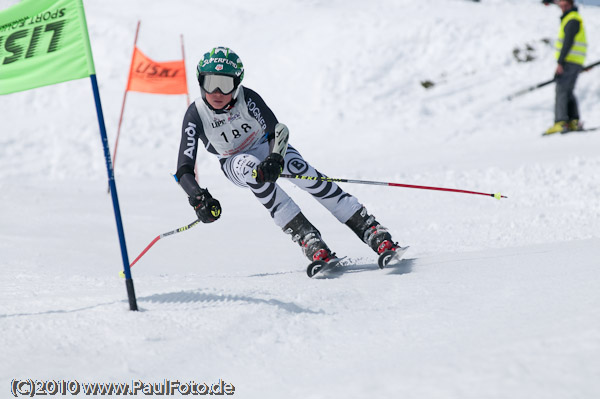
pixel 390 256
pixel 582 130
pixel 385 258
pixel 320 266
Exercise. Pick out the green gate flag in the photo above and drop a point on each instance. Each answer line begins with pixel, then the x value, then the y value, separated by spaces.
pixel 43 42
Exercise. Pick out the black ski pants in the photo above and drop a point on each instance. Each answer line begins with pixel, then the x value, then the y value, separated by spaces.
pixel 566 108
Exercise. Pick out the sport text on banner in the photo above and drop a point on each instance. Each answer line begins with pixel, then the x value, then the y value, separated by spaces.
pixel 43 42
pixel 149 76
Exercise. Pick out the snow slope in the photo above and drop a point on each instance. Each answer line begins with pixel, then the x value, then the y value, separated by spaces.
pixel 495 299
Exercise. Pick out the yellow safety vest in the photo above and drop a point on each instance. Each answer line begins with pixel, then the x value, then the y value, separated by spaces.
pixel 579 49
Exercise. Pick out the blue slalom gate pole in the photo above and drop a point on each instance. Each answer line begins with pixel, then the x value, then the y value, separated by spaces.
pixel 115 198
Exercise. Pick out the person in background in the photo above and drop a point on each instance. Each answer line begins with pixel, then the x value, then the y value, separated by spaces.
pixel 234 123
pixel 571 49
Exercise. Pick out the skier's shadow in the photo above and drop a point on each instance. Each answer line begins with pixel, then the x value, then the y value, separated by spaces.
pixel 200 297
pixel 405 266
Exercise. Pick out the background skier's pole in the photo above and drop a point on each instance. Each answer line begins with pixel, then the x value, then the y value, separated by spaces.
pixel 531 88
pixel 337 180
pixel 537 86
pixel 587 68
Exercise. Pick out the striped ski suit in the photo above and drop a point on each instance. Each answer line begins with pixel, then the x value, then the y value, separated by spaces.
pixel 238 137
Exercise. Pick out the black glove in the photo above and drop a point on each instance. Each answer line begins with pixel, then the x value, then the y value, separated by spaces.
pixel 269 169
pixel 207 208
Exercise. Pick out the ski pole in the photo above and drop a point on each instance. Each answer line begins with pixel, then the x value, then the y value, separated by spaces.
pixel 587 68
pixel 537 86
pixel 179 230
pixel 531 88
pixel 338 180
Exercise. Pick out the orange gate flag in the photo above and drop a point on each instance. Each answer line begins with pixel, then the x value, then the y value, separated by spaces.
pixel 148 76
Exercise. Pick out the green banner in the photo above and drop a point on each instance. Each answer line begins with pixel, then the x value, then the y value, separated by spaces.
pixel 43 42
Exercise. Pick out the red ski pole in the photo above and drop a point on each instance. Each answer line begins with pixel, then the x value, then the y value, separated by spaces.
pixel 179 230
pixel 337 180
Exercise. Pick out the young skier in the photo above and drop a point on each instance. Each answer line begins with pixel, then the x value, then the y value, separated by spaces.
pixel 234 123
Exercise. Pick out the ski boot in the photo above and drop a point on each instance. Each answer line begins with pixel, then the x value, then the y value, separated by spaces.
pixel 314 248
pixel 574 125
pixel 376 236
pixel 558 127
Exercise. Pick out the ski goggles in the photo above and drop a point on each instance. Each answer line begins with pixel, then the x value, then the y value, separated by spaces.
pixel 225 84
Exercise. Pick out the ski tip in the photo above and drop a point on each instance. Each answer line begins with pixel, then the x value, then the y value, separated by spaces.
pixel 315 267
pixel 391 255
pixel 320 265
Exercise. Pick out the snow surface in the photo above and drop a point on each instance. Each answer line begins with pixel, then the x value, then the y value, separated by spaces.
pixel 495 299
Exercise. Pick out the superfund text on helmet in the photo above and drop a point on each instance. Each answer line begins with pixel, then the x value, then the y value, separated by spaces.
pixel 220 69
